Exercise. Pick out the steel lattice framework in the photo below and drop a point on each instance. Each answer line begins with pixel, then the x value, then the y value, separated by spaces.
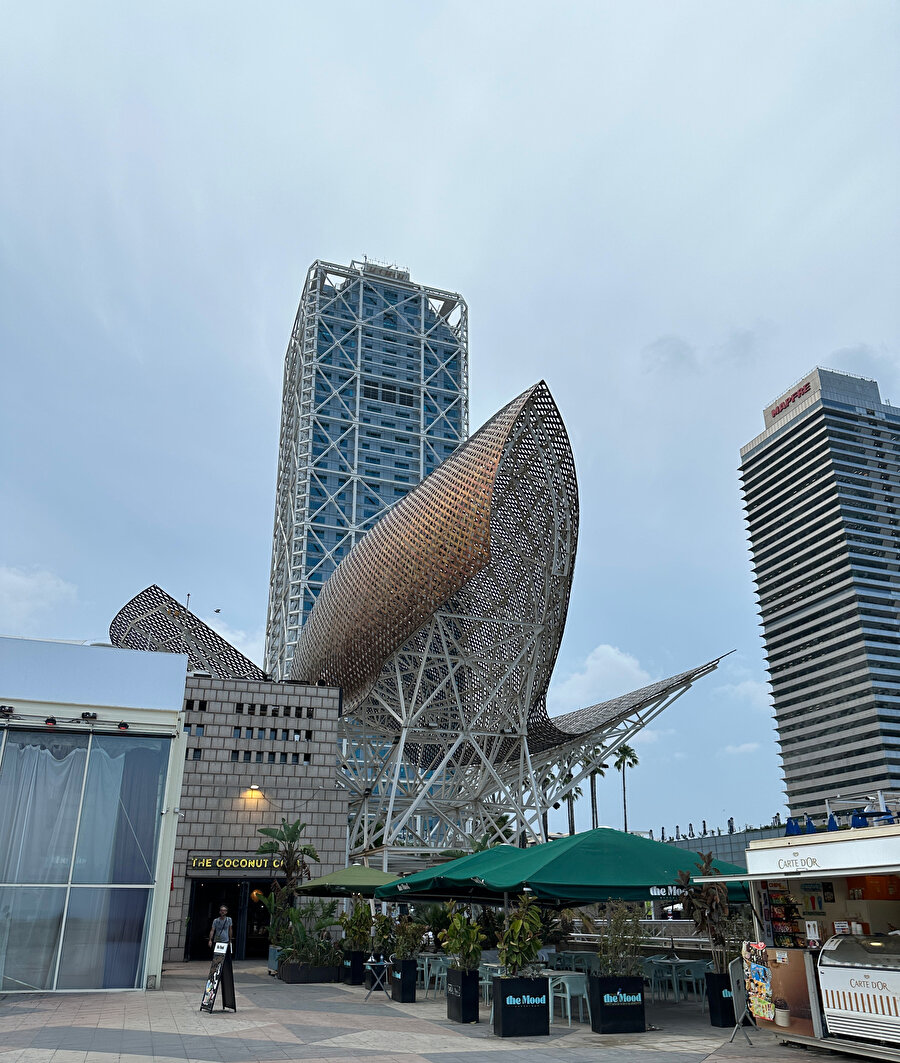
pixel 442 627
pixel 371 354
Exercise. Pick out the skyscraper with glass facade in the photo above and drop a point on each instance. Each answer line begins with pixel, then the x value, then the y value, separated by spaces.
pixel 375 397
pixel 821 488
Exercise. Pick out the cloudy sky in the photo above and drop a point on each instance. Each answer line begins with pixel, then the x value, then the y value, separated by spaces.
pixel 670 211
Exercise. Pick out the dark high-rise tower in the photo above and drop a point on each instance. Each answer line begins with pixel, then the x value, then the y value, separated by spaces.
pixel 375 397
pixel 821 487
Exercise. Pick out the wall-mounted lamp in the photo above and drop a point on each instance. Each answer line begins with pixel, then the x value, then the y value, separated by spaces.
pixel 122 725
pixel 50 721
pixel 255 786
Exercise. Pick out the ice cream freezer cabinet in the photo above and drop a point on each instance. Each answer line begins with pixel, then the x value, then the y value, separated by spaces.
pixel 860 982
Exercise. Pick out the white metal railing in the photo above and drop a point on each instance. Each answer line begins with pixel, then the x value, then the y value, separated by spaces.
pixel 656 931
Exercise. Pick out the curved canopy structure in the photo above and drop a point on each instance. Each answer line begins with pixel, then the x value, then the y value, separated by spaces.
pixel 442 627
pixel 153 620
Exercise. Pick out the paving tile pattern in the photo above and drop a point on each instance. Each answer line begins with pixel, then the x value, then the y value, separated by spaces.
pixel 329 1024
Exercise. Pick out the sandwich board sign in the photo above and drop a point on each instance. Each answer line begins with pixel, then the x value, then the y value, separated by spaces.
pixel 220 974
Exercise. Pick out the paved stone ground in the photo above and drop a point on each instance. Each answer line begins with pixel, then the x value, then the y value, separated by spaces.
pixel 331 1024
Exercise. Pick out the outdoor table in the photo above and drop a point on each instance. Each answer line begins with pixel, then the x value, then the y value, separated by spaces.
pixel 379 972
pixel 671 965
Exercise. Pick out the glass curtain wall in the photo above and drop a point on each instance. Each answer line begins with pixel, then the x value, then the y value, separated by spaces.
pixel 79 832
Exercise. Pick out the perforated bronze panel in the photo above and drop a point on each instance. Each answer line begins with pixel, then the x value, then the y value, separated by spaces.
pixel 448 616
pixel 427 548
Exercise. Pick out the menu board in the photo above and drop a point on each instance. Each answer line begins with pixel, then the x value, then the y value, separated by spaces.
pixel 758 980
pixel 220 974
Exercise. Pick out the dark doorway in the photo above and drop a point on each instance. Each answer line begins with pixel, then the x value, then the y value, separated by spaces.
pixel 242 897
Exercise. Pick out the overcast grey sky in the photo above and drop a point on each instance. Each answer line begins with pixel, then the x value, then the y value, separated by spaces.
pixel 669 210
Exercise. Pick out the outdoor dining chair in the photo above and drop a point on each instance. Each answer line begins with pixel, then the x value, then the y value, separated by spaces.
pixel 437 974
pixel 569 986
pixel 487 972
pixel 692 979
pixel 662 978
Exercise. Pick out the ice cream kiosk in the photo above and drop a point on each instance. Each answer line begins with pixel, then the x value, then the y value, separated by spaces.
pixel 826 970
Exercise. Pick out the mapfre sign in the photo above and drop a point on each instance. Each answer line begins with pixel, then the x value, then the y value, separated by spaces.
pixel 804 389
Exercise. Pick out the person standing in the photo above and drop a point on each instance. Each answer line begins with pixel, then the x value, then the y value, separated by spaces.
pixel 222 929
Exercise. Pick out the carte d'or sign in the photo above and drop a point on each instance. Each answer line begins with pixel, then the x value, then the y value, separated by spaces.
pixel 231 863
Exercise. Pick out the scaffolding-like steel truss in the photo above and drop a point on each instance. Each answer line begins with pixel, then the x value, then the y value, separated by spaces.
pixel 442 627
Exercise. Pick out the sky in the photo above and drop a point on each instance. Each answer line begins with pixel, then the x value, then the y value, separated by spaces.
pixel 670 211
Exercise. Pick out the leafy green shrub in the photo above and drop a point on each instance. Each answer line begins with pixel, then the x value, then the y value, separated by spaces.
pixel 619 947
pixel 463 939
pixel 520 941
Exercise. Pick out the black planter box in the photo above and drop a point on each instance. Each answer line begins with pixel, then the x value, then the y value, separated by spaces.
pixel 403 981
pixel 353 968
pixel 521 1007
pixel 617 1004
pixel 463 995
pixel 721 1001
pixel 303 974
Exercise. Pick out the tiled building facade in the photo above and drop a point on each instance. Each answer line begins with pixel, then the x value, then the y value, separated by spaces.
pixel 280 738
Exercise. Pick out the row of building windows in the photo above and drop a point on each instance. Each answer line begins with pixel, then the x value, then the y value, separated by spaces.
pixel 248 757
pixel 273 734
pixel 259 757
pixel 273 710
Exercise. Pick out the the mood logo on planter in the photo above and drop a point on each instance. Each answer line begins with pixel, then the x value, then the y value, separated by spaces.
pixel 526 999
pixel 621 998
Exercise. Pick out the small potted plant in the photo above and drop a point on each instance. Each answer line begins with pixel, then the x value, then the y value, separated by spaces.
pixel 463 940
pixel 308 953
pixel 381 944
pixel 357 927
pixel 782 1012
pixel 521 996
pixel 407 944
pixel 617 991
pixel 707 904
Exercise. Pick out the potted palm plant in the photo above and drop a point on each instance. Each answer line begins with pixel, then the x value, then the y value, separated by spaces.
pixel 407 943
pixel 285 843
pixel 309 954
pixel 357 927
pixel 707 904
pixel 617 988
pixel 521 996
pixel 463 940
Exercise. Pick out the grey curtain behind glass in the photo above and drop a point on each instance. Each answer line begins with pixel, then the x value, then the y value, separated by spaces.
pixel 40 789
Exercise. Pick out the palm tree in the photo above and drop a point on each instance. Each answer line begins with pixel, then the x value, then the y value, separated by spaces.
pixel 625 758
pixel 598 771
pixel 565 779
pixel 286 844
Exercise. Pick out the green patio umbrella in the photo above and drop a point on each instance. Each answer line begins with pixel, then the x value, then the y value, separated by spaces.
pixel 596 865
pixel 350 880
pixel 599 865
pixel 459 879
